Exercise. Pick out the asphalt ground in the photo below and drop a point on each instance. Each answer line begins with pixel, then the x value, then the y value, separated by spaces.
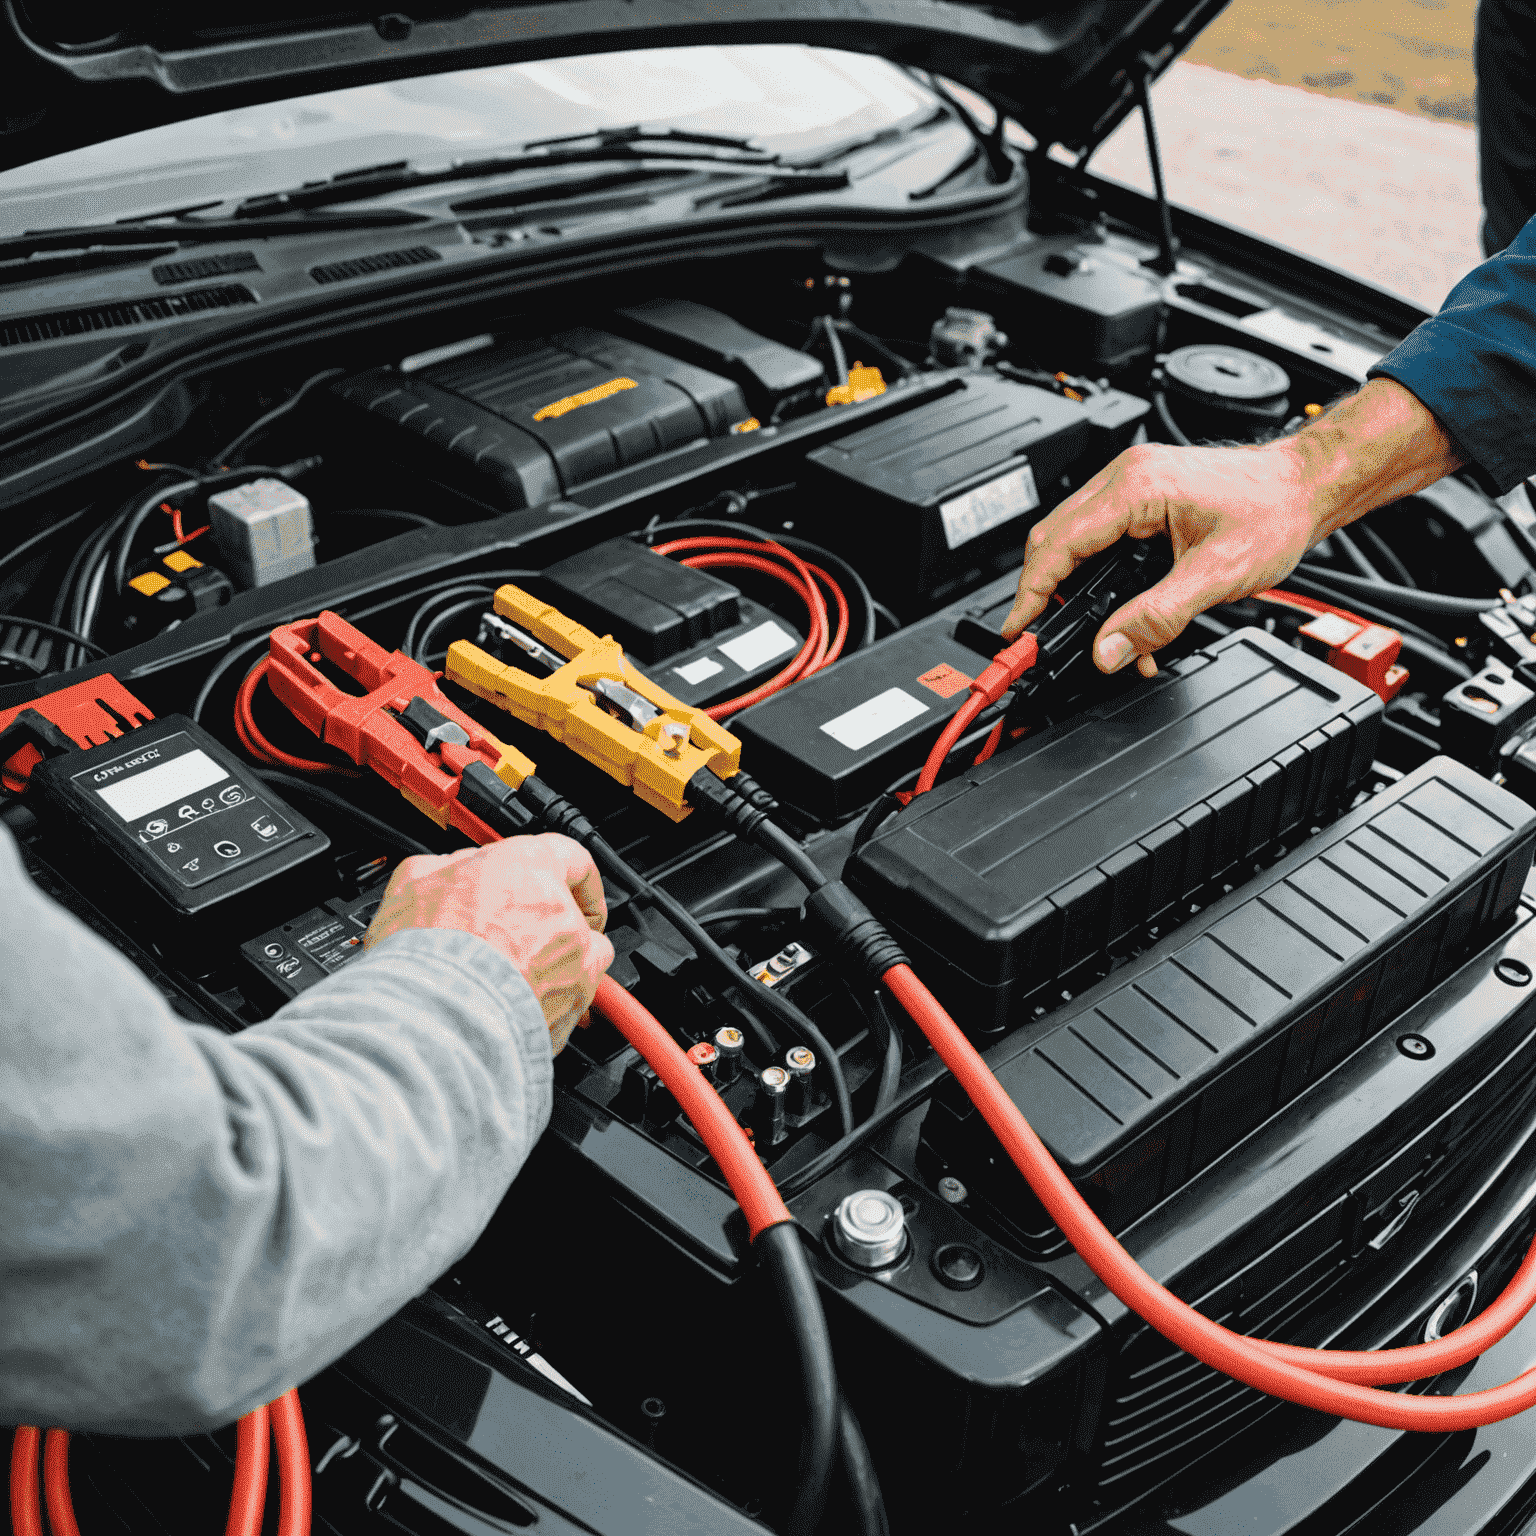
pixel 1340 128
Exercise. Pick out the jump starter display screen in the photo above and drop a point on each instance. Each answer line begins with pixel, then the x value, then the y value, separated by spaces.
pixel 174 807
pixel 188 810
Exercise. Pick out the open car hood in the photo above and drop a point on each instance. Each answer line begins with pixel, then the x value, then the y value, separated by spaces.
pixel 79 72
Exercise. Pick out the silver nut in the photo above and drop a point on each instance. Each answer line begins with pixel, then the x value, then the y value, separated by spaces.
pixel 869 1228
pixel 952 1190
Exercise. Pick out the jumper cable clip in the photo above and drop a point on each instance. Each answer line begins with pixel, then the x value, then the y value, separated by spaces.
pixel 595 701
pixel 402 726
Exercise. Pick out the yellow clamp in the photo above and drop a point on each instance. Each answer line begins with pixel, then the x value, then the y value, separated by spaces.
pixel 657 763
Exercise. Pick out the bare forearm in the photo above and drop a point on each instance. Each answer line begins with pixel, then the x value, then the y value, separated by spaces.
pixel 1368 450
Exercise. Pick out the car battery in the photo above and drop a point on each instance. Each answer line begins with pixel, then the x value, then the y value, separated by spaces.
pixel 934 497
pixel 698 637
pixel 167 812
pixel 833 742
pixel 1080 306
pixel 293 956
pixel 1014 874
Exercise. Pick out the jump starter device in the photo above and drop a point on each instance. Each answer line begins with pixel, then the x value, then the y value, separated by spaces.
pixel 167 809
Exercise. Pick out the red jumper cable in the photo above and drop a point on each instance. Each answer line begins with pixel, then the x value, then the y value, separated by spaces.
pixel 283 1422
pixel 821 648
pixel 1343 1383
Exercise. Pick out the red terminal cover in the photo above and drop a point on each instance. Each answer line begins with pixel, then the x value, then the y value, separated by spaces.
pixel 89 713
pixel 362 727
pixel 1360 649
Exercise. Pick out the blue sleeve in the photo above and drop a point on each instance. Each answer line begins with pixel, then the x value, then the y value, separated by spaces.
pixel 1474 365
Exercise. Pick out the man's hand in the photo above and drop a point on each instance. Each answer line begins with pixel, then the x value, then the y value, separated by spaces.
pixel 1239 519
pixel 539 900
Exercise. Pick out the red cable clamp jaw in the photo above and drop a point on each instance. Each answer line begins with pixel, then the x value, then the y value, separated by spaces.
pixel 366 728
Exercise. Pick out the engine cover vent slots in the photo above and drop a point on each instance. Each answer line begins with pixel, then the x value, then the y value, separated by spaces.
pixel 109 317
pixel 366 266
pixel 204 266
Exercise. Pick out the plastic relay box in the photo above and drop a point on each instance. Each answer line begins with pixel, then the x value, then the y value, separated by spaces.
pixel 1082 305
pixel 1020 870
pixel 926 500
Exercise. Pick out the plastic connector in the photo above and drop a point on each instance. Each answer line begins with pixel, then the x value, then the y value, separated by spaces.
pixel 751 791
pixel 556 813
pixel 1006 668
pixel 710 796
pixel 851 933
pixel 494 801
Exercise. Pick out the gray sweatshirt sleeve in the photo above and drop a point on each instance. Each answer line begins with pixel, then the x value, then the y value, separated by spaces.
pixel 192 1222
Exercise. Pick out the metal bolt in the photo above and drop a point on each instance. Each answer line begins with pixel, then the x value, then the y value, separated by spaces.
pixel 952 1190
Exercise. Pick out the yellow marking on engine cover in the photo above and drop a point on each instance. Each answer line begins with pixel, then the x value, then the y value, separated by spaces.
pixel 586 397
pixel 150 583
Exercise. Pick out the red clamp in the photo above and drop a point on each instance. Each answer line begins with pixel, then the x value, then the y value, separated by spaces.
pixel 88 713
pixel 367 728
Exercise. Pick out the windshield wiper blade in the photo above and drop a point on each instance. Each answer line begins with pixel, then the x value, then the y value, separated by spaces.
pixel 355 186
pixel 154 227
pixel 637 132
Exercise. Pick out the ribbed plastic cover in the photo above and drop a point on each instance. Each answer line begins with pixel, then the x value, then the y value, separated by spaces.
pixel 1152 1074
pixel 1044 857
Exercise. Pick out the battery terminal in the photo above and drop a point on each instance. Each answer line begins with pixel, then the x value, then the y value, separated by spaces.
pixel 792 958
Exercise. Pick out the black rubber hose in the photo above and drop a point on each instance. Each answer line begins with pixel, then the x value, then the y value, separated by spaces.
pixel 783 1257
pixel 1388 592
pixel 859 1469
pixel 784 1011
pixel 922 1080
pixel 57 631
pixel 776 841
pixel 388 514
pixel 1355 556
pixel 1171 428
pixel 890 1060
pixel 1386 555
pixel 261 423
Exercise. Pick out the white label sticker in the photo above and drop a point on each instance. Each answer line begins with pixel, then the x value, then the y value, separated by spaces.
pixel 696 671
pixel 874 718
pixel 759 645
pixel 989 506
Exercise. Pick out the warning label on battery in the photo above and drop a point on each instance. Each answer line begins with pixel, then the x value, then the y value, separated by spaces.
pixel 989 506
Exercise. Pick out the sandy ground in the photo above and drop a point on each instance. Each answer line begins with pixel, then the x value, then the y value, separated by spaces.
pixel 1341 128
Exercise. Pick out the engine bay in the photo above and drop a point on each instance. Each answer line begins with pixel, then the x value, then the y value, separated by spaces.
pixel 779 521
